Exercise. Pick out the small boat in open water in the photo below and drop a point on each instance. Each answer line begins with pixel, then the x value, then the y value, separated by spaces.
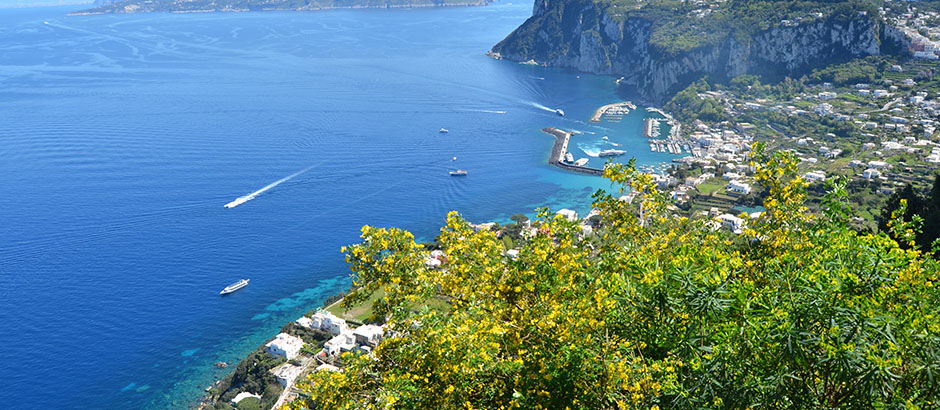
pixel 443 131
pixel 233 287
pixel 458 173
pixel 560 112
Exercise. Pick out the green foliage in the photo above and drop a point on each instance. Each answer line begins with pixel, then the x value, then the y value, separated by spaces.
pixel 249 403
pixel 681 26
pixel 686 105
pixel 252 375
pixel 863 70
pixel 913 217
pixel 655 312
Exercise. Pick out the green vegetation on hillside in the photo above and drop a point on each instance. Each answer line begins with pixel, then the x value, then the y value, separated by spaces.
pixel 679 26
pixel 651 311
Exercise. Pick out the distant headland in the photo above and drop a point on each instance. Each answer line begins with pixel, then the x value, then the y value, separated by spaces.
pixel 206 6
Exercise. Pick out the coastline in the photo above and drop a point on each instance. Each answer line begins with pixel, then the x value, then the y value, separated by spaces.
pixel 136 10
pixel 556 157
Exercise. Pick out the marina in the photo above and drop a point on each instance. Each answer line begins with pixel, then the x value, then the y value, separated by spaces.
pixel 613 112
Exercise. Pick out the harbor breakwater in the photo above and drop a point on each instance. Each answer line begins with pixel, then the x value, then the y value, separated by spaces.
pixel 560 148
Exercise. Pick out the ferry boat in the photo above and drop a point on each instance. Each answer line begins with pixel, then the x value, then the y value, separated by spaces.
pixel 443 131
pixel 233 287
pixel 560 112
pixel 458 173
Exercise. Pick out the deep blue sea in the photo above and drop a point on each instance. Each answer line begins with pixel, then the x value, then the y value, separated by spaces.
pixel 122 137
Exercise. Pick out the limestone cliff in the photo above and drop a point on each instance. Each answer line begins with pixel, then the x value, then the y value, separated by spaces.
pixel 594 37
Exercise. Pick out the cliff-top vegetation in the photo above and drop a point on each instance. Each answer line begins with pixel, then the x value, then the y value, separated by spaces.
pixel 679 26
pixel 651 311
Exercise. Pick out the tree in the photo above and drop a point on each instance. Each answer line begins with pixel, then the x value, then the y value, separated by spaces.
pixel 659 311
pixel 519 218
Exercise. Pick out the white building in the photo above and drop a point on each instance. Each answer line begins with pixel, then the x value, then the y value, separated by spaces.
pixel 828 95
pixel 871 173
pixel 368 335
pixel 286 373
pixel 343 342
pixel 731 222
pixel 739 187
pixel 432 262
pixel 304 322
pixel 329 322
pixel 815 176
pixel 285 345
pixel 880 93
pixel 568 214
pixel 878 164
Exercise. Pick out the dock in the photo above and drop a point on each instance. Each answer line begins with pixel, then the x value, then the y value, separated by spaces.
pixel 614 111
pixel 560 148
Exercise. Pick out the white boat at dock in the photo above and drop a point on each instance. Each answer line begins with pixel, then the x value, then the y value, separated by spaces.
pixel 569 158
pixel 458 173
pixel 235 286
pixel 581 162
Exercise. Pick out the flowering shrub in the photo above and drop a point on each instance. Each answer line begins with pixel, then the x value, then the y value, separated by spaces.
pixel 651 311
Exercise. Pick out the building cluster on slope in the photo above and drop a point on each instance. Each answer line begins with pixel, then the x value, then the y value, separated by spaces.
pixel 924 38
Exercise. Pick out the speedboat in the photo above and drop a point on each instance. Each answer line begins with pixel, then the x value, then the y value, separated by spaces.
pixel 458 173
pixel 233 287
pixel 560 112
pixel 569 158
pixel 238 201
pixel 444 131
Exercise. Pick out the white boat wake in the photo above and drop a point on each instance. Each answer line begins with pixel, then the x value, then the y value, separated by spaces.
pixel 541 107
pixel 242 199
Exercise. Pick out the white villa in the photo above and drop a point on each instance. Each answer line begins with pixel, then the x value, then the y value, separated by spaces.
pixel 368 335
pixel 328 322
pixel 739 187
pixel 343 342
pixel 286 374
pixel 285 345
pixel 731 222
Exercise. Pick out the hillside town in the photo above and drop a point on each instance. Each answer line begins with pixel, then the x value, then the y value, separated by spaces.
pixel 880 134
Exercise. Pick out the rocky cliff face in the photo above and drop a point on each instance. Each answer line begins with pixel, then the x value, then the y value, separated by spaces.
pixel 582 35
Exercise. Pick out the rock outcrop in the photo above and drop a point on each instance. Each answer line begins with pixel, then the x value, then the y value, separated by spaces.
pixel 583 35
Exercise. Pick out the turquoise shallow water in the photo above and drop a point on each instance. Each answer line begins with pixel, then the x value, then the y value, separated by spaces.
pixel 122 137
